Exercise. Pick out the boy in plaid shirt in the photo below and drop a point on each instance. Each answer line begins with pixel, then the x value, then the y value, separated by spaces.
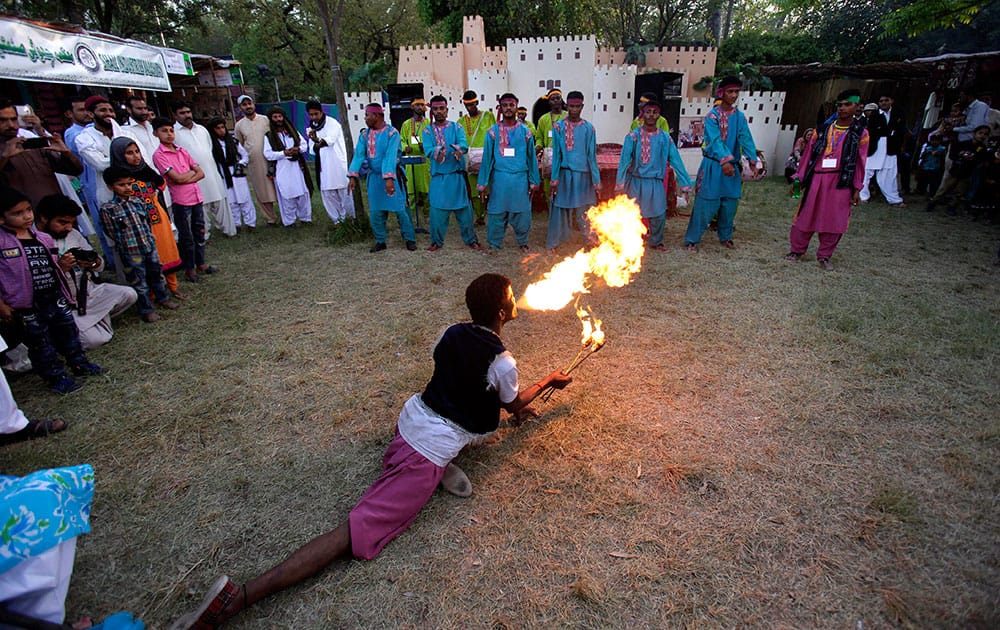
pixel 125 220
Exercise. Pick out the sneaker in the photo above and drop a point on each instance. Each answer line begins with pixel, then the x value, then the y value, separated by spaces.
pixel 87 369
pixel 149 318
pixel 208 269
pixel 377 248
pixel 825 264
pixel 170 305
pixel 411 246
pixel 691 247
pixel 475 247
pixel 729 244
pixel 191 276
pixel 793 257
pixel 434 247
pixel 524 248
pixel 65 385
pixel 660 248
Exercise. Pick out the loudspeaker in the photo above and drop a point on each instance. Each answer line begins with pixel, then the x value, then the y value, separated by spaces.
pixel 667 88
pixel 400 97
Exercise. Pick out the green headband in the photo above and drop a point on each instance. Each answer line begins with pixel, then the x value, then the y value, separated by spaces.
pixel 853 99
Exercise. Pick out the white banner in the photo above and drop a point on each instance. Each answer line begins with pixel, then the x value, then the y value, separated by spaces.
pixel 33 53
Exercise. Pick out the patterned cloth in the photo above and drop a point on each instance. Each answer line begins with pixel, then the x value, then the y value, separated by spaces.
pixel 126 223
pixel 43 509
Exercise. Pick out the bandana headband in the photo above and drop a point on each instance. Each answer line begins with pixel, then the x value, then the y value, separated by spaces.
pixel 574 101
pixel 553 93
pixel 374 109
pixel 470 101
pixel 852 99
pixel 508 100
pixel 649 105
pixel 418 101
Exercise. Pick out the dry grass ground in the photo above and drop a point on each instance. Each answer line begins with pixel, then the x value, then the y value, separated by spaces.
pixel 761 443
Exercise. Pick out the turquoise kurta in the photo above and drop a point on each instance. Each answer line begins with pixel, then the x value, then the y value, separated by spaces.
pixel 643 178
pixel 447 181
pixel 380 151
pixel 509 168
pixel 575 168
pixel 727 139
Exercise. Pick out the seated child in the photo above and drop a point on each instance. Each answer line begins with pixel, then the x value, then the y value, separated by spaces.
pixel 98 302
pixel 33 292
pixel 125 221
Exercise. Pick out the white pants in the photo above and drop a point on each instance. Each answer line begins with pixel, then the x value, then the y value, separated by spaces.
pixel 339 204
pixel 12 419
pixel 37 587
pixel 295 208
pixel 243 211
pixel 217 212
pixel 886 178
pixel 104 301
pixel 244 214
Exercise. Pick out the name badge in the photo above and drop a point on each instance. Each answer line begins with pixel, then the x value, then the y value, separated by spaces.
pixel 508 152
pixel 13 252
pixel 830 162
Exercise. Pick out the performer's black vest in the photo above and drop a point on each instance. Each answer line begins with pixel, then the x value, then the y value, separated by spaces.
pixel 458 389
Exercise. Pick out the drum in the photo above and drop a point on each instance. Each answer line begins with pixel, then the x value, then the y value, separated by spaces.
pixel 474 159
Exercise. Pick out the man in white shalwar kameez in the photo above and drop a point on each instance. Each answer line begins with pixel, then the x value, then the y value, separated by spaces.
pixel 196 140
pixel 284 146
pixel 232 160
pixel 326 142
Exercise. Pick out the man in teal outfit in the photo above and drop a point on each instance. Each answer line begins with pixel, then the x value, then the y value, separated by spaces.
pixel 718 187
pixel 509 175
pixel 445 146
pixel 376 155
pixel 647 154
pixel 575 177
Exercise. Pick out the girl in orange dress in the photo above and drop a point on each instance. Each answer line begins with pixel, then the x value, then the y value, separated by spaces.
pixel 147 183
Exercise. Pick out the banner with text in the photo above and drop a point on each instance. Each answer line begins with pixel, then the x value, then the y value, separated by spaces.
pixel 33 53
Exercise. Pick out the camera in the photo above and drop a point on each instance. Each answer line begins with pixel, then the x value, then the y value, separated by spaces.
pixel 83 255
pixel 35 143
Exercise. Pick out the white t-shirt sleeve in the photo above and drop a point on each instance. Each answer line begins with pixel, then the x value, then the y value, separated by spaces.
pixel 502 376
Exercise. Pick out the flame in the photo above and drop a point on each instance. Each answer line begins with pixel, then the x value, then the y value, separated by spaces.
pixel 592 333
pixel 617 226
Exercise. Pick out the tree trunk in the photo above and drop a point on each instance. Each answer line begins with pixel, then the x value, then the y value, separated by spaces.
pixel 331 33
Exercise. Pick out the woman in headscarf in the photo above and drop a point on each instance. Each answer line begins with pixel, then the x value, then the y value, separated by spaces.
pixel 147 183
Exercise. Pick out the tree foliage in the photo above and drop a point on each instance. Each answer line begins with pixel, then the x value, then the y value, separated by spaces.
pixel 125 18
pixel 768 49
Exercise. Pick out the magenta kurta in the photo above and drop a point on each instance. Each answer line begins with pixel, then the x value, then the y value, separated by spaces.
pixel 826 208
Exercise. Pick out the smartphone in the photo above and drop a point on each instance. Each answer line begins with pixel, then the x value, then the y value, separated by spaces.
pixel 35 143
pixel 22 111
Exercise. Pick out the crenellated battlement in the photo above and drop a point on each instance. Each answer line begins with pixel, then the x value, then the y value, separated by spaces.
pixel 565 39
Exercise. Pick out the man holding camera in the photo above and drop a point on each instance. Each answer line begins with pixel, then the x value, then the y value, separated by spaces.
pixel 96 303
pixel 29 161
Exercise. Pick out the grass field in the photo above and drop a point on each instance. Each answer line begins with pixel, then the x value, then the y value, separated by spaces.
pixel 760 444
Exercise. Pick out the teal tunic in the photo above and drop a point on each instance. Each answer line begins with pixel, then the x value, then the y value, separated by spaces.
pixel 575 169
pixel 447 184
pixel 727 139
pixel 643 179
pixel 380 150
pixel 509 168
